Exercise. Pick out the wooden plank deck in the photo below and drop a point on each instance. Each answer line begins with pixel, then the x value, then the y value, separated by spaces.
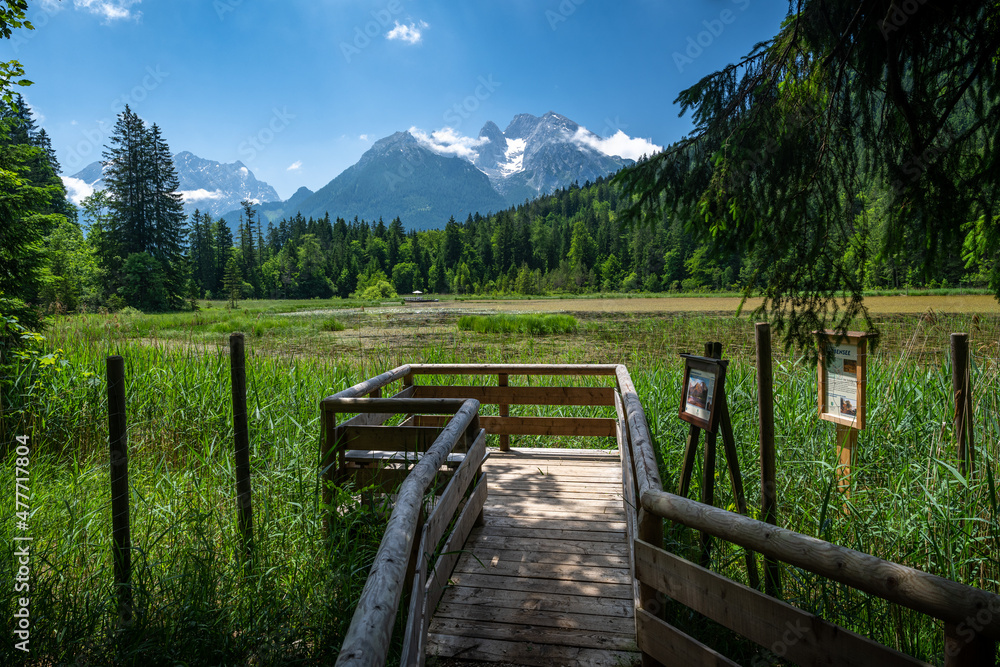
pixel 546 580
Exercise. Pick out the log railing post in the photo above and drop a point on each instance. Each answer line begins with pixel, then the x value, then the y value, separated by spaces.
pixel 964 648
pixel 328 460
pixel 504 412
pixel 121 547
pixel 241 437
pixel 962 386
pixel 768 469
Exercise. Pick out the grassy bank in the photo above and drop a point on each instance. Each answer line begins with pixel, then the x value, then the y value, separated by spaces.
pixel 198 606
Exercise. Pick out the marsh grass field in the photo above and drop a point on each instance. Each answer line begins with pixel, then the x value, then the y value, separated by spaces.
pixel 195 603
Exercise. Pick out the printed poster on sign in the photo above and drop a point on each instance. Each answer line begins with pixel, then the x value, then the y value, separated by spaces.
pixel 700 389
pixel 842 380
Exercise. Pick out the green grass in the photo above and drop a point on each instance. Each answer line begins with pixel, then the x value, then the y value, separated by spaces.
pixel 197 605
pixel 535 325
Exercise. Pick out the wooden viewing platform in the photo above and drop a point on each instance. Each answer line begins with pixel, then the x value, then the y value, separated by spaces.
pixel 555 556
pixel 546 580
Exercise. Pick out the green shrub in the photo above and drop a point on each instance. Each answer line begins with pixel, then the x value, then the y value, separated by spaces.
pixel 529 324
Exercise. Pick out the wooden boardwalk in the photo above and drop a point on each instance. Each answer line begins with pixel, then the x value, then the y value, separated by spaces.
pixel 546 581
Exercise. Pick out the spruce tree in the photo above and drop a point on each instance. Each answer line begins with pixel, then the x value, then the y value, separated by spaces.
pixel 233 281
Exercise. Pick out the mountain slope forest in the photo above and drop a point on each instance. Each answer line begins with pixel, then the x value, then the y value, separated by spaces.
pixel 801 183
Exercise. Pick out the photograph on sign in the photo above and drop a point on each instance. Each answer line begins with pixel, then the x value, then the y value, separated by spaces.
pixel 701 385
pixel 842 380
pixel 704 378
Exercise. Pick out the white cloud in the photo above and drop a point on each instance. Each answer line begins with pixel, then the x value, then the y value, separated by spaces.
pixel 619 144
pixel 295 166
pixel 111 10
pixel 411 34
pixel 77 189
pixel 201 194
pixel 447 141
pixel 363 137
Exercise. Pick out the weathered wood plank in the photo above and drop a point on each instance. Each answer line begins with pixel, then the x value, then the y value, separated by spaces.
pixel 559 453
pixel 499 582
pixel 567 426
pixel 519 395
pixel 542 619
pixel 534 556
pixel 529 634
pixel 670 646
pixel 516 485
pixel 532 655
pixel 513 369
pixel 579 494
pixel 368 638
pixel 515 510
pixel 551 571
pixel 585 506
pixel 446 507
pixel 557 475
pixel 617 529
pixel 386 438
pixel 759 617
pixel 553 603
pixel 923 592
pixel 566 546
pixel 544 534
pixel 450 551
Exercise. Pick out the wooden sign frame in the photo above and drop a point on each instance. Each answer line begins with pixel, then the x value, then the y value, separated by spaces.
pixel 840 357
pixel 701 409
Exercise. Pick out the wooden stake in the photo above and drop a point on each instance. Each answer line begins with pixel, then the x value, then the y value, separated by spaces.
pixel 768 469
pixel 121 543
pixel 504 412
pixel 847 440
pixel 962 386
pixel 241 432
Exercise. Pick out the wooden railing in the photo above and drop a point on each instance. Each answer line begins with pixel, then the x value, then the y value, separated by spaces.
pixel 971 616
pixel 504 396
pixel 430 438
pixel 400 555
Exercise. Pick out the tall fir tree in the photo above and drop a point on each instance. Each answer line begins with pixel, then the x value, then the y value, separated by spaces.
pixel 146 209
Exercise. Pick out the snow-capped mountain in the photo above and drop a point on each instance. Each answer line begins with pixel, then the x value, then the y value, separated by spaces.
pixel 537 155
pixel 213 187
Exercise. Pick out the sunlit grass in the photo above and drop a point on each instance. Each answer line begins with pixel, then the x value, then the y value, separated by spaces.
pixel 908 503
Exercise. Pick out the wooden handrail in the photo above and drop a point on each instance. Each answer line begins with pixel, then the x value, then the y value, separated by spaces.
pixel 368 638
pixel 647 472
pixel 373 384
pixel 513 369
pixel 926 593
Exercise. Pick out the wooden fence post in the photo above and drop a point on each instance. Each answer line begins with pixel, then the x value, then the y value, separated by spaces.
pixel 241 432
pixel 961 382
pixel 768 468
pixel 961 651
pixel 504 412
pixel 713 351
pixel 121 548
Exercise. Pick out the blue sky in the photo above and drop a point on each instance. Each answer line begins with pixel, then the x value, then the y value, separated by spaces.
pixel 298 89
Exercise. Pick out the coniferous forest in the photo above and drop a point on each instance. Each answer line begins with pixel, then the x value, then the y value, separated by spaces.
pixel 131 244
